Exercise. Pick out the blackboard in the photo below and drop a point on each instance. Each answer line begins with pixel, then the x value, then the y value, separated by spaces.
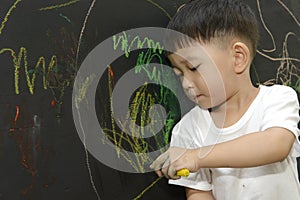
pixel 42 46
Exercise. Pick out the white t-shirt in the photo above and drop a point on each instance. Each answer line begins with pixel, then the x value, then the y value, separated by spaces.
pixel 274 106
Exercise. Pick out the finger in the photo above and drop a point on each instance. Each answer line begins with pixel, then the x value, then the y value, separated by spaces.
pixel 172 173
pixel 165 173
pixel 165 168
pixel 159 162
pixel 159 173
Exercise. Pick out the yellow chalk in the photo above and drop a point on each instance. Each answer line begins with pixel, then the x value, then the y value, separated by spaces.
pixel 183 172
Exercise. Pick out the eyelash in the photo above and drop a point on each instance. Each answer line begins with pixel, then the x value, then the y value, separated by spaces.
pixel 194 68
pixel 191 69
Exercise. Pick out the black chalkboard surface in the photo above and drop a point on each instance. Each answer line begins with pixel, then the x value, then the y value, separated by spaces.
pixel 42 46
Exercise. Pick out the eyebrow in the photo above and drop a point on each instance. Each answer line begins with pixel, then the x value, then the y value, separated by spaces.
pixel 187 61
pixel 186 58
pixel 190 58
pixel 182 61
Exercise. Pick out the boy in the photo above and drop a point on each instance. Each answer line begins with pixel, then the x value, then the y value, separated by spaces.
pixel 239 141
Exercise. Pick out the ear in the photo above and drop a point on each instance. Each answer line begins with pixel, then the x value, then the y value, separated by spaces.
pixel 241 57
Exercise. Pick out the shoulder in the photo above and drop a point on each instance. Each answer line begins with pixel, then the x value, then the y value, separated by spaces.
pixel 279 107
pixel 194 114
pixel 184 133
pixel 278 92
pixel 188 119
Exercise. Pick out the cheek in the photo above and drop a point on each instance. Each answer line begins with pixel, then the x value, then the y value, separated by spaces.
pixel 203 85
pixel 215 86
pixel 211 76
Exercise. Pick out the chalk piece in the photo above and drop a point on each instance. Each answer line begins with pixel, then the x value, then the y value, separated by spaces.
pixel 183 172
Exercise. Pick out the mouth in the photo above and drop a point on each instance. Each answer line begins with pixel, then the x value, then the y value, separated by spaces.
pixel 193 95
pixel 196 97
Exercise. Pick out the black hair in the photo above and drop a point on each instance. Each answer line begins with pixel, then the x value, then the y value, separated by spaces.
pixel 204 20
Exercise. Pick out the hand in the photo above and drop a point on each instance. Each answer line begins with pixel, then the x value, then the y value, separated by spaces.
pixel 174 159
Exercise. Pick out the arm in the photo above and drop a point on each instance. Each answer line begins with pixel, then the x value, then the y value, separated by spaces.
pixel 192 194
pixel 255 149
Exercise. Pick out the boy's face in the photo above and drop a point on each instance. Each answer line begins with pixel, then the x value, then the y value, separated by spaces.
pixel 205 72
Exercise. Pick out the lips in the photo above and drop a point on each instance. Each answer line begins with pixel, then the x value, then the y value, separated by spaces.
pixel 192 95
pixel 196 97
pixel 199 95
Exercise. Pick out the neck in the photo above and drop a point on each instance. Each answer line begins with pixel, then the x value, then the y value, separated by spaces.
pixel 234 107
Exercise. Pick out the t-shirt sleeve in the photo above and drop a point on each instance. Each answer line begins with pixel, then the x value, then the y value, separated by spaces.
pixel 281 109
pixel 184 136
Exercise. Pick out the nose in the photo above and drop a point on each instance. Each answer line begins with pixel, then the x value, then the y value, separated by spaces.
pixel 187 83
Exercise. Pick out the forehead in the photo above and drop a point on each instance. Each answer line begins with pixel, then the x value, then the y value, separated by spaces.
pixel 191 54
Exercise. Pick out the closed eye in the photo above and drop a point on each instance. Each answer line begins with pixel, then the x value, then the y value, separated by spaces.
pixel 194 68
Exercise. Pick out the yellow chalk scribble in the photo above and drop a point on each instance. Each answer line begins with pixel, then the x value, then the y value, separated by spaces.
pixel 83 29
pixel 83 89
pixel 59 5
pixel 147 188
pixel 79 99
pixel 8 14
pixel 17 61
pixel 160 7
pixel 136 141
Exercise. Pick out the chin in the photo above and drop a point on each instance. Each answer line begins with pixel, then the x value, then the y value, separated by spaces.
pixel 203 106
